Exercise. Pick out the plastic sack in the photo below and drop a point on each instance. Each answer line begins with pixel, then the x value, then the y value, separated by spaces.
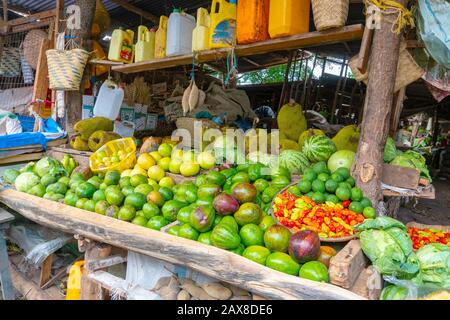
pixel 37 241
pixel 434 28
pixel 9 123
pixel 413 291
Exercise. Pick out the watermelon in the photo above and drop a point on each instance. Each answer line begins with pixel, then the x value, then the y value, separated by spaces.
pixel 319 148
pixel 295 161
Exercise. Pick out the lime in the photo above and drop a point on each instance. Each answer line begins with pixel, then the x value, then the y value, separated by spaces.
pixel 295 191
pixel 331 186
pixel 356 206
pixel 140 213
pixel 343 193
pixel 150 210
pixel 310 175
pixel 89 205
pixel 156 198
pixel 304 186
pixel 144 189
pixel 351 181
pixel 156 173
pixel 167 182
pixel 101 206
pixel 154 184
pixel 103 186
pixel 320 167
pixel 156 155
pixel 323 177
pixel 127 213
pixel 112 178
pixel 165 150
pixel 167 193
pixel 138 179
pixel 164 163
pixel 343 172
pixel 318 197
pixel 124 182
pixel 136 200
pixel 366 202
pixel 357 194
pixel 345 185
pixel 173 230
pixel 80 203
pixel 99 195
pixel 114 197
pixel 332 198
pixel 127 190
pixel 369 213
pixel 140 221
pixel 318 186
pixel 337 177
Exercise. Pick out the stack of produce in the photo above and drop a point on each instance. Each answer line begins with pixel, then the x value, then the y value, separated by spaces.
pixel 422 237
pixel 93 133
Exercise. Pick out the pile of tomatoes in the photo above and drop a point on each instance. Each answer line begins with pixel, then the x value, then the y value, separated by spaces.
pixel 422 237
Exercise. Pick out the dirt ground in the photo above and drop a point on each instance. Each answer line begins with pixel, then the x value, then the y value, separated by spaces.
pixel 435 212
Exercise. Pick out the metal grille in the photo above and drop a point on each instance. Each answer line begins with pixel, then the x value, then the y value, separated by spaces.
pixel 11 75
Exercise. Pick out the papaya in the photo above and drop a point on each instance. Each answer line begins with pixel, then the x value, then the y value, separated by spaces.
pixel 224 236
pixel 88 126
pixel 78 143
pixel 291 121
pixel 99 138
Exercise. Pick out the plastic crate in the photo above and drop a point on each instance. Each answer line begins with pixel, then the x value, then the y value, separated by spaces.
pixel 127 145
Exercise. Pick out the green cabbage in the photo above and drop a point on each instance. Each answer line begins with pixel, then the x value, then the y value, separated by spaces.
pixel 25 181
pixel 50 166
pixel 382 222
pixel 435 264
pixel 414 160
pixel 28 168
pixel 10 175
pixel 390 150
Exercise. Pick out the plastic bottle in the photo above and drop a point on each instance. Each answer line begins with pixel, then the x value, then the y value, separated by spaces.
pixel 179 33
pixel 109 100
pixel 288 17
pixel 161 38
pixel 223 24
pixel 121 48
pixel 200 36
pixel 252 21
pixel 144 50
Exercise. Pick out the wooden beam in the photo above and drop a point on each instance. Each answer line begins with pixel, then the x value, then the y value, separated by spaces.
pixel 368 164
pixel 209 260
pixel 5 10
pixel 144 14
pixel 310 39
pixel 33 18
pixel 46 271
pixel 18 9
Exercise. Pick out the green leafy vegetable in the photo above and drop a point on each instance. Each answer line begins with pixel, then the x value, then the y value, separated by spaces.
pixel 10 175
pixel 50 166
pixel 435 264
pixel 25 181
pixel 390 150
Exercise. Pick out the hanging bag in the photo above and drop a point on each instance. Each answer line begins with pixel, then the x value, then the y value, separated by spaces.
pixel 66 67
pixel 10 62
pixel 27 71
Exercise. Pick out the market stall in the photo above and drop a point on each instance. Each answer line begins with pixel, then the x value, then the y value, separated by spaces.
pixel 305 219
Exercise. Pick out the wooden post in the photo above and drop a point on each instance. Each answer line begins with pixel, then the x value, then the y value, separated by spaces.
pixel 74 108
pixel 368 165
pixel 397 111
pixel 5 10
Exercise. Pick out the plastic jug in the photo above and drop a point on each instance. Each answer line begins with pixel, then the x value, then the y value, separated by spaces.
pixel 74 281
pixel 288 17
pixel 179 33
pixel 223 24
pixel 109 100
pixel 252 21
pixel 121 47
pixel 200 36
pixel 161 38
pixel 145 47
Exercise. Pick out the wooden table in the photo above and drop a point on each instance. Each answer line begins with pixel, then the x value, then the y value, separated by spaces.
pixel 5 275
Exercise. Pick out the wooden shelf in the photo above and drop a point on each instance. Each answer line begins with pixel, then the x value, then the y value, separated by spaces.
pixel 305 40
pixel 428 193
pixel 105 62
pixel 209 260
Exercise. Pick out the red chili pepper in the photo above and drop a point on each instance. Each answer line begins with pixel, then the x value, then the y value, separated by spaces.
pixel 346 203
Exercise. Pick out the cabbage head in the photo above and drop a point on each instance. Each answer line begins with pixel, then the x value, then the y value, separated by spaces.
pixel 435 264
pixel 390 150
pixel 50 166
pixel 25 181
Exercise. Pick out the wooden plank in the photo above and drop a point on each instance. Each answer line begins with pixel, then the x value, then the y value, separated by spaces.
pixel 31 26
pixel 22 158
pixel 211 261
pixel 429 193
pixel 310 39
pixel 46 271
pixel 346 266
pixel 364 53
pixel 32 18
pixel 89 289
pixel 15 153
pixel 5 216
pixel 400 177
pixel 98 264
pixel 105 62
pixel 144 14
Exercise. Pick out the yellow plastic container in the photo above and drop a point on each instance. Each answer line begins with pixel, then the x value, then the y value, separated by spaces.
pixel 161 38
pixel 145 47
pixel 223 24
pixel 127 145
pixel 288 17
pixel 200 36
pixel 121 48
pixel 74 281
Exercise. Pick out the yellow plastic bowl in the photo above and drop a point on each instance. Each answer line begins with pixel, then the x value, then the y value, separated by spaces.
pixel 127 145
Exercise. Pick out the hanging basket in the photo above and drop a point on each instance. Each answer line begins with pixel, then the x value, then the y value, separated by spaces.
pixel 65 68
pixel 329 14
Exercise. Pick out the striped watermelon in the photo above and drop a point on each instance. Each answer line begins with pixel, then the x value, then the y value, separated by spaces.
pixel 319 148
pixel 295 161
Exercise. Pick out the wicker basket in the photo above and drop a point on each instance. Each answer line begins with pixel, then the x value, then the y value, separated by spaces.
pixel 32 46
pixel 66 68
pixel 329 14
pixel 408 70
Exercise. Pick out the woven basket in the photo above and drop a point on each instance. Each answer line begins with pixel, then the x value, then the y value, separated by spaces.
pixel 408 70
pixel 10 62
pixel 65 68
pixel 32 46
pixel 329 14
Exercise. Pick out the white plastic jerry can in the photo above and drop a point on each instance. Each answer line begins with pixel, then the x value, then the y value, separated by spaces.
pixel 109 100
pixel 179 33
